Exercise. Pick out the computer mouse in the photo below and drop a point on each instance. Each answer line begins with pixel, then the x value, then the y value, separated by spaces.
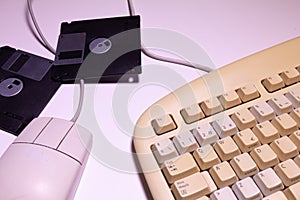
pixel 45 161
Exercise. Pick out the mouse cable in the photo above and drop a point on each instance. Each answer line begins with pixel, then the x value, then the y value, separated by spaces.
pixel 80 104
pixel 165 59
pixel 46 43
pixel 52 50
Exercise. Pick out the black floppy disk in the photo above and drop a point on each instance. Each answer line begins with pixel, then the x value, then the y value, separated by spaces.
pixel 99 50
pixel 25 88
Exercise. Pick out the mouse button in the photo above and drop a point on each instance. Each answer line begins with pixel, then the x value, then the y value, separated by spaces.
pixel 53 134
pixel 32 130
pixel 77 143
pixel 36 172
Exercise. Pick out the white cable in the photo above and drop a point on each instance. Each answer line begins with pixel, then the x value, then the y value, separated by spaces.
pixel 165 59
pixel 46 43
pixel 80 104
pixel 50 48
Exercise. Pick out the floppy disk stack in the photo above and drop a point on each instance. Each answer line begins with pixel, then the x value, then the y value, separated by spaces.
pixel 99 50
pixel 25 88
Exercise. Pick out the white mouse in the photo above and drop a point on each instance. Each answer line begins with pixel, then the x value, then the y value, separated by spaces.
pixel 46 161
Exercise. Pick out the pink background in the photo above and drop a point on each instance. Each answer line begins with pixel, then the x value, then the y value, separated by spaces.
pixel 226 30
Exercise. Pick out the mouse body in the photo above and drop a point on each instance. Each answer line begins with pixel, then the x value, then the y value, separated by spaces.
pixel 45 161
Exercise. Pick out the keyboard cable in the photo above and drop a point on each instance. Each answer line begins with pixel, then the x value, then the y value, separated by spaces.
pixel 148 53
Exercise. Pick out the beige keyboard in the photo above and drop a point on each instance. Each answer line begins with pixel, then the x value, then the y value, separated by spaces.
pixel 231 134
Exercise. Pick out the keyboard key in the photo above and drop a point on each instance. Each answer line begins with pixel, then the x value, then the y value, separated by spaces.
pixel 273 83
pixel 180 167
pixel 276 196
pixel 294 96
pixel 224 126
pixel 295 114
pixel 223 174
pixel 223 194
pixel 211 106
pixel 248 92
pixel 264 157
pixel 210 182
pixel 297 160
pixel 280 104
pixel 226 148
pixel 268 181
pixel 295 137
pixel 246 140
pixel 284 148
pixel 192 113
pixel 265 132
pixel 262 111
pixel 205 134
pixel 244 165
pixel 164 150
pixel 163 124
pixel 246 189
pixel 206 157
pixel 230 99
pixel 185 142
pixel 285 124
pixel 293 192
pixel 244 119
pixel 190 187
pixel 288 171
pixel 290 76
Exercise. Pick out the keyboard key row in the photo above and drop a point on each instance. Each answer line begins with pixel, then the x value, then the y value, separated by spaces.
pixel 217 104
pixel 268 183
pixel 245 118
pixel 214 105
pixel 278 81
pixel 226 193
pixel 263 142
pixel 241 165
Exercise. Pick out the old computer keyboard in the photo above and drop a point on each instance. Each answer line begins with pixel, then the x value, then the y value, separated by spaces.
pixel 231 134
